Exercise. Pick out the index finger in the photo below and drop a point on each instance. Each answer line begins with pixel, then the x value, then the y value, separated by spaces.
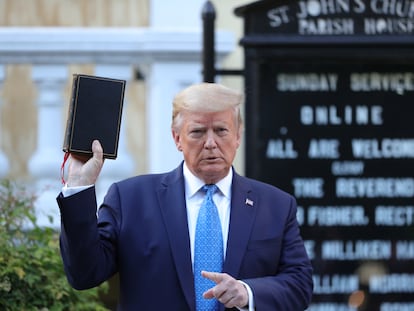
pixel 216 277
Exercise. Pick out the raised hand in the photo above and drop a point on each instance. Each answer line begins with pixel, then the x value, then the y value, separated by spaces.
pixel 84 171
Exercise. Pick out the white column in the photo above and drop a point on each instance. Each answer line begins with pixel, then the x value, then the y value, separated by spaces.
pixel 123 166
pixel 164 81
pixel 4 163
pixel 45 164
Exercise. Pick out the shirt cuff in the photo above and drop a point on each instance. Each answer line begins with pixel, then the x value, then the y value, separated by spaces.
pixel 250 306
pixel 68 191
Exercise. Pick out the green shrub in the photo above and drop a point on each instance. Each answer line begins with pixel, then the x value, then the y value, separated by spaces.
pixel 31 269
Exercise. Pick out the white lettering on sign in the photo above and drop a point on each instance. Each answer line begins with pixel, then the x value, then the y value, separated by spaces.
pixel 397 306
pixel 310 248
pixel 380 187
pixel 323 149
pixel 308 187
pixel 326 26
pixel 313 16
pixel 331 306
pixel 394 215
pixel 326 7
pixel 402 8
pixel 281 149
pixel 309 82
pixel 380 26
pixel 404 250
pixel 391 283
pixel 398 82
pixel 278 16
pixel 300 215
pixel 356 250
pixel 347 115
pixel 337 216
pixel 335 284
pixel 347 167
pixel 385 148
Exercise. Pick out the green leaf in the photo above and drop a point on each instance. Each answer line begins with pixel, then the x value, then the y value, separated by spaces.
pixel 31 270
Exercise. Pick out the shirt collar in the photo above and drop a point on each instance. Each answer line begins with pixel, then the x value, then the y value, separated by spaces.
pixel 193 183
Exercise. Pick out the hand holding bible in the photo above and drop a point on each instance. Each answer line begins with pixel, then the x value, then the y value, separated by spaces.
pixel 84 170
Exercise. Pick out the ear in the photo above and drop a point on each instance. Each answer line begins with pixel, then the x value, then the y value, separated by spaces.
pixel 176 137
pixel 239 136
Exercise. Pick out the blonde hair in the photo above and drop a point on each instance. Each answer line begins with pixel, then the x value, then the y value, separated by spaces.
pixel 206 97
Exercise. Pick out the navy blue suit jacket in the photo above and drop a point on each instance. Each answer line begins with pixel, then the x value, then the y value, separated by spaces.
pixel 142 233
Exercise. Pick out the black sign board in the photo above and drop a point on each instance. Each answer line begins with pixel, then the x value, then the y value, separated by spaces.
pixel 330 119
pixel 329 17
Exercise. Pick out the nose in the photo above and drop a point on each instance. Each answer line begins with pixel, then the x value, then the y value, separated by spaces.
pixel 210 142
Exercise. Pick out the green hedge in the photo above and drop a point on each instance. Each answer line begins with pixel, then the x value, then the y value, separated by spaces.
pixel 31 269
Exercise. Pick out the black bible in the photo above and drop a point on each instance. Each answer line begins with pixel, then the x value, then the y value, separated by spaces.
pixel 95 112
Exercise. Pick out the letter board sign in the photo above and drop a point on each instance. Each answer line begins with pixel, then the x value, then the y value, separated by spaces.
pixel 329 118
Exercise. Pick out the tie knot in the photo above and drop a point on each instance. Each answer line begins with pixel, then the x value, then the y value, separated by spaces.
pixel 210 189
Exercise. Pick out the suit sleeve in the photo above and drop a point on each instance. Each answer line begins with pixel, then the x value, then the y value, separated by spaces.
pixel 291 287
pixel 88 250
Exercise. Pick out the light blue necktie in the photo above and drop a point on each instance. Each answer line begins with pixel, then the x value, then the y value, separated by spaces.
pixel 208 249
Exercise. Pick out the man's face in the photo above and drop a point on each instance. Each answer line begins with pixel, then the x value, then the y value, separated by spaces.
pixel 209 141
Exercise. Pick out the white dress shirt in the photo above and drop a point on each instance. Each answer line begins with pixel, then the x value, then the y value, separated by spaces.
pixel 194 196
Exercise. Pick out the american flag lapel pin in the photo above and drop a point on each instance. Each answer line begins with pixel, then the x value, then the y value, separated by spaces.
pixel 249 202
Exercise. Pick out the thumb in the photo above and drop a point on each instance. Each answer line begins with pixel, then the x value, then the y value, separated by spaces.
pixel 97 159
pixel 91 169
pixel 97 150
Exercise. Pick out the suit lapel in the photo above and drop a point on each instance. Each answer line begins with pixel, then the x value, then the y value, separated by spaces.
pixel 244 204
pixel 173 208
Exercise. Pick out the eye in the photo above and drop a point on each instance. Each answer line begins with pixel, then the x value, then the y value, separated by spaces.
pixel 196 133
pixel 221 131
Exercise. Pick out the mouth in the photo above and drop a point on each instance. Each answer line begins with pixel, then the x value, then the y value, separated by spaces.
pixel 211 159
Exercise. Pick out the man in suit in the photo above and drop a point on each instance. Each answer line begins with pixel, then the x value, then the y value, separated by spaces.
pixel 146 226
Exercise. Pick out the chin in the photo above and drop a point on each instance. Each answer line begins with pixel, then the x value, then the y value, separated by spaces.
pixel 213 174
